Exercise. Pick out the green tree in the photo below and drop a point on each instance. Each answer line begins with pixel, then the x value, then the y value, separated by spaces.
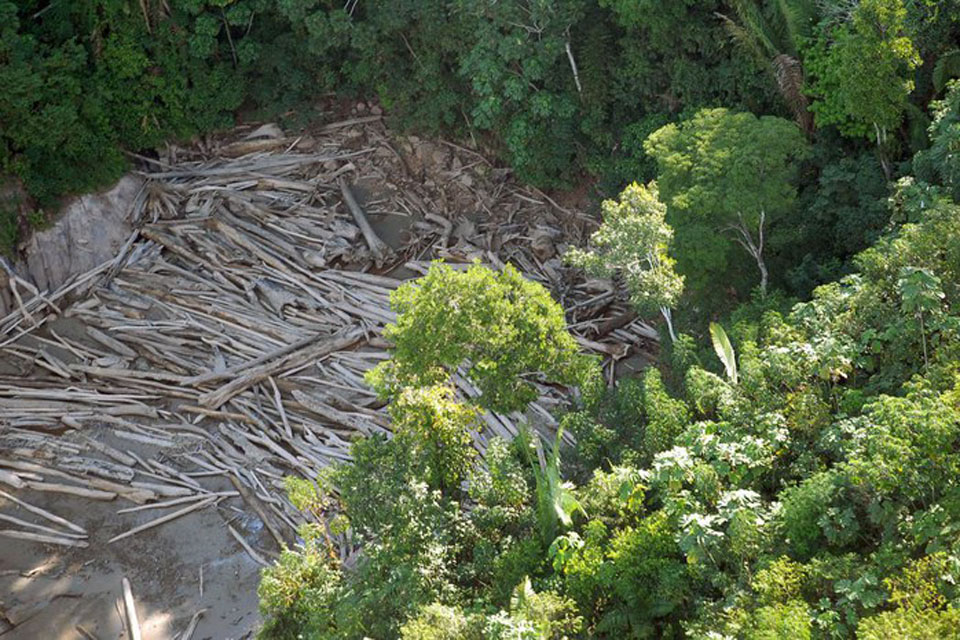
pixel 634 241
pixel 862 67
pixel 922 293
pixel 723 175
pixel 502 328
pixel 438 429
pixel 941 162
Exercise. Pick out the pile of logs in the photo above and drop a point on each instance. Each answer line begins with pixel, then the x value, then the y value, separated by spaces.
pixel 231 334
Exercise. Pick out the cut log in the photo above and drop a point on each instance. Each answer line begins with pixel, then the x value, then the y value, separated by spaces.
pixel 130 605
pixel 378 247
pixel 163 519
pixel 43 513
pixel 215 399
pixel 45 539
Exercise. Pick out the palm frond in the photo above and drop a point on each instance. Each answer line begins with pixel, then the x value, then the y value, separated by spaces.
pixel 743 37
pixel 750 17
pixel 790 80
pixel 799 17
pixel 946 68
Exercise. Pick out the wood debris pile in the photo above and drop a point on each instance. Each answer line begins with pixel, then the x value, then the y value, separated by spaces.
pixel 230 337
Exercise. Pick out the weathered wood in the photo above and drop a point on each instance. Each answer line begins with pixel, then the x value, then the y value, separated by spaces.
pixel 246 547
pixel 378 247
pixel 254 503
pixel 93 494
pixel 235 370
pixel 192 626
pixel 163 519
pixel 40 527
pixel 133 621
pixel 215 399
pixel 45 539
pixel 11 479
pixel 43 513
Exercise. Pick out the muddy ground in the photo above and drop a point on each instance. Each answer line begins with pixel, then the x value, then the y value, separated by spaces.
pixel 55 594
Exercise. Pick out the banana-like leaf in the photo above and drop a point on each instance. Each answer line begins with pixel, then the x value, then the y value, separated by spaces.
pixel 522 594
pixel 721 344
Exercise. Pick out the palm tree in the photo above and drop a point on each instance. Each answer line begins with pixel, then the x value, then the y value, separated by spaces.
pixel 771 30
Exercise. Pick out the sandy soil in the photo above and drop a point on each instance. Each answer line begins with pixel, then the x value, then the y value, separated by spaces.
pixel 52 592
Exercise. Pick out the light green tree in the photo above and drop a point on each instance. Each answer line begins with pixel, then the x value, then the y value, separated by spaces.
pixel 634 241
pixel 921 293
pixel 501 328
pixel 725 175
pixel 438 430
pixel 862 66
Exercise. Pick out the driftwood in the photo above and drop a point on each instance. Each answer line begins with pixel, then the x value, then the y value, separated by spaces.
pixel 254 503
pixel 11 479
pixel 257 374
pixel 130 605
pixel 45 539
pixel 377 246
pixel 43 513
pixel 246 547
pixel 176 501
pixel 192 626
pixel 163 519
pixel 38 527
pixel 93 494
pixel 231 334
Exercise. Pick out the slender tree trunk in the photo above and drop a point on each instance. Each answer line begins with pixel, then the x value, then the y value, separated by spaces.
pixel 764 276
pixel 668 317
pixel 754 248
pixel 923 339
pixel 884 163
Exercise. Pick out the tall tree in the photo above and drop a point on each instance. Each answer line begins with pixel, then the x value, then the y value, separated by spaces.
pixel 502 328
pixel 723 176
pixel 634 241
pixel 862 66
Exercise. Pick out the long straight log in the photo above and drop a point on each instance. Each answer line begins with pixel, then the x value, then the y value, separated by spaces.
pixel 215 399
pixel 36 537
pixel 232 372
pixel 131 606
pixel 94 494
pixel 40 527
pixel 163 519
pixel 252 500
pixel 41 512
pixel 377 246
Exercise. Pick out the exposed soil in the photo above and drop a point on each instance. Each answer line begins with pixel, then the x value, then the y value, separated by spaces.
pixel 53 593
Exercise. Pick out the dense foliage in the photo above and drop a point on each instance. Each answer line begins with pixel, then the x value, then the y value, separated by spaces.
pixel 556 87
pixel 809 491
pixel 792 473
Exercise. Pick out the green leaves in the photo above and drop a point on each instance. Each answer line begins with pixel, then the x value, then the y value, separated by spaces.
pixel 724 351
pixel 634 241
pixel 861 68
pixel 727 179
pixel 438 429
pixel 921 291
pixel 503 329
pixel 556 502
